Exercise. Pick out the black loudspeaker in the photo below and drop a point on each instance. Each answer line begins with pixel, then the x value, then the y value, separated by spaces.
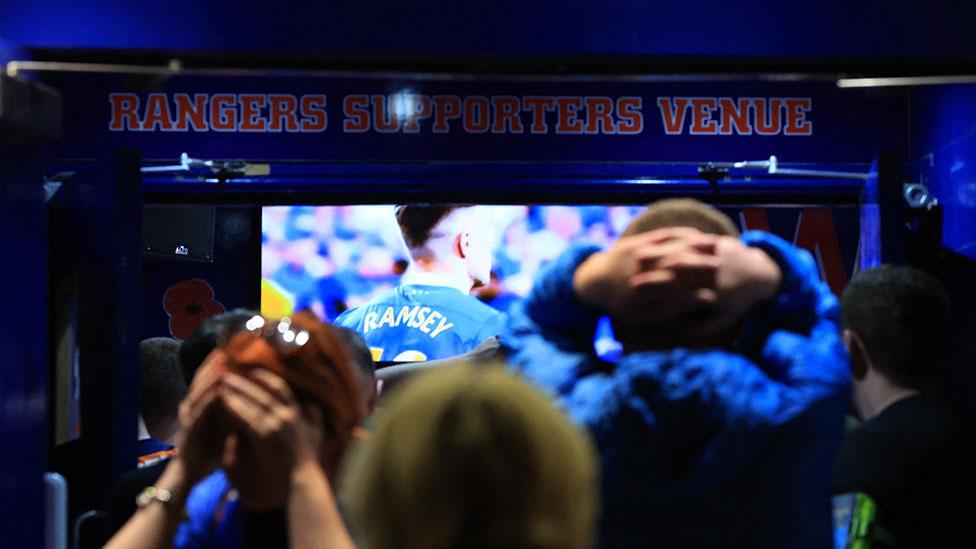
pixel 183 233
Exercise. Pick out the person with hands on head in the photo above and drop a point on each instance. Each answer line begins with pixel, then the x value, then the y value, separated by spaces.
pixel 729 399
pixel 653 279
pixel 267 420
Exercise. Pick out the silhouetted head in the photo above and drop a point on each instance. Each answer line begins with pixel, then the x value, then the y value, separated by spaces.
pixel 205 337
pixel 161 383
pixel 362 357
pixel 896 315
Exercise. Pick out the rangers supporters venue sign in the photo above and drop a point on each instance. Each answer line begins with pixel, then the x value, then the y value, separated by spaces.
pixel 416 119
pixel 475 114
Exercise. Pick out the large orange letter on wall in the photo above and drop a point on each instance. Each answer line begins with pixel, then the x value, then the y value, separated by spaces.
pixel 815 232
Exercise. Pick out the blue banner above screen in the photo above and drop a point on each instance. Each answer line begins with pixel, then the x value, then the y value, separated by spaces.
pixel 413 118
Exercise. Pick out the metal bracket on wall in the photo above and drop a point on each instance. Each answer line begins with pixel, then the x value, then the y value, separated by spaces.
pixel 716 170
pixel 219 169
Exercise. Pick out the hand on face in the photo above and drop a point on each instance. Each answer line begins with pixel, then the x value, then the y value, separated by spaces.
pixel 252 426
pixel 272 436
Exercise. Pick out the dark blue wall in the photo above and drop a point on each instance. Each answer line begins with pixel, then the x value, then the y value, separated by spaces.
pixel 94 239
pixel 944 157
pixel 654 27
pixel 7 50
pixel 23 340
pixel 23 360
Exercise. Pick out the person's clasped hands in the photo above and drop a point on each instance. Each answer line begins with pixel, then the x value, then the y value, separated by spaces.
pixel 653 278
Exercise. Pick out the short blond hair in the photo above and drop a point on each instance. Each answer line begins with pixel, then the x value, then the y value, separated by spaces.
pixel 682 212
pixel 472 456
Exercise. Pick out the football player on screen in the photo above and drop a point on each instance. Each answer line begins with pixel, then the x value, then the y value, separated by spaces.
pixel 431 314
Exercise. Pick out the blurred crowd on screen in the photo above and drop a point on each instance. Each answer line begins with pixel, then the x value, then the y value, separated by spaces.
pixel 331 258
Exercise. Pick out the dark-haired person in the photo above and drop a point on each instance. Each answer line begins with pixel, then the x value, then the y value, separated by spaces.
pixel 911 454
pixel 188 356
pixel 431 314
pixel 206 336
pixel 267 419
pixel 161 388
pixel 719 424
pixel 361 356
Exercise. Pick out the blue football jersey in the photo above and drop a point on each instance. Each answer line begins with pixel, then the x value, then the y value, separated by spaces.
pixel 413 322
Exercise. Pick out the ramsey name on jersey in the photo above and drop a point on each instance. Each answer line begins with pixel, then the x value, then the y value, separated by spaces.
pixel 422 318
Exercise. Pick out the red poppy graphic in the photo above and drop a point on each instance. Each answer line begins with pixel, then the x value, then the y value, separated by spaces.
pixel 188 303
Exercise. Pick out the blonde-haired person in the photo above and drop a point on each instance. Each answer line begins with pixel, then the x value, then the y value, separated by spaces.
pixel 472 456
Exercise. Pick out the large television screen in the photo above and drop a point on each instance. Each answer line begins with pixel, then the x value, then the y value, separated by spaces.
pixel 333 259
pixel 347 264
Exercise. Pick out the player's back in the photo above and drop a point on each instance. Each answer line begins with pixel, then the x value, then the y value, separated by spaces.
pixel 412 323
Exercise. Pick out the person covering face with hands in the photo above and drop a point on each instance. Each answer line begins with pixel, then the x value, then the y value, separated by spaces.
pixel 266 421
